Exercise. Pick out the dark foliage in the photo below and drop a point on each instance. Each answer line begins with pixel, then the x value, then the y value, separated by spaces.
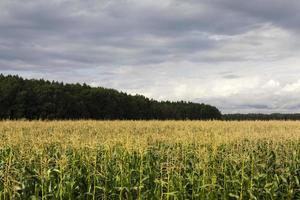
pixel 257 116
pixel 40 99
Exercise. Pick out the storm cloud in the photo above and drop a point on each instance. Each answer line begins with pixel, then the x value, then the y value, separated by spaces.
pixel 241 56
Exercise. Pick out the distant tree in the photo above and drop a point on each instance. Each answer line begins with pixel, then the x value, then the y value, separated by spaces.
pixel 259 116
pixel 40 99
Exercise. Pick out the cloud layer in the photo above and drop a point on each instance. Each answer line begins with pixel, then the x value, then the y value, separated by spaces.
pixel 240 56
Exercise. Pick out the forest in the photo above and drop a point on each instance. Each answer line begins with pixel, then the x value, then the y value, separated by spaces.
pixel 260 116
pixel 41 99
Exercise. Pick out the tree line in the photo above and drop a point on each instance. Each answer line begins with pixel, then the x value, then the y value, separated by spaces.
pixel 41 99
pixel 259 116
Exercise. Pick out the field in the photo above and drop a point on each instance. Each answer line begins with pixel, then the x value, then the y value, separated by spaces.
pixel 149 160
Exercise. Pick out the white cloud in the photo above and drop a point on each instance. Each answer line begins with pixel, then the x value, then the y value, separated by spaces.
pixel 271 84
pixel 292 87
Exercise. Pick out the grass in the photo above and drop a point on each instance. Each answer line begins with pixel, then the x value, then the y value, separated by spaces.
pixel 149 160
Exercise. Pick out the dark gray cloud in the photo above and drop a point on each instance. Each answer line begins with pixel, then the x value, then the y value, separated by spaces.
pixel 231 76
pixel 241 56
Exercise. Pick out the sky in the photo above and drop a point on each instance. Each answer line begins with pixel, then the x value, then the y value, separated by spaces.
pixel 241 56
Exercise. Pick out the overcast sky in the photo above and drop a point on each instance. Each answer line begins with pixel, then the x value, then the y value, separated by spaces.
pixel 241 56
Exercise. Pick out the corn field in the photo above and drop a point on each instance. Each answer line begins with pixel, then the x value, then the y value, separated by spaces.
pixel 149 160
